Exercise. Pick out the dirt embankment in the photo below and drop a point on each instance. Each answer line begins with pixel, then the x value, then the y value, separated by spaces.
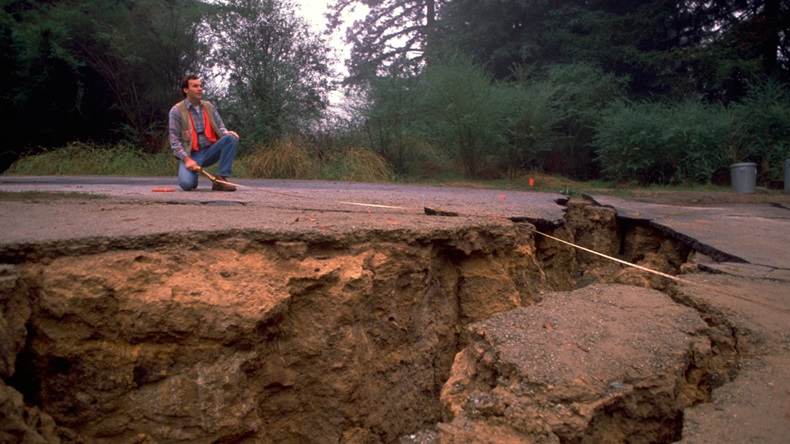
pixel 366 337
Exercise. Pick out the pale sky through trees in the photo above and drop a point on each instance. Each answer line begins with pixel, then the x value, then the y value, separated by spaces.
pixel 313 11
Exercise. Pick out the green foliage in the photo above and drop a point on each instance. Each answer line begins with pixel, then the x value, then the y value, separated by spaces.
pixel 764 115
pixel 85 159
pixel 391 112
pixel 630 143
pixel 490 129
pixel 532 117
pixel 461 111
pixel 139 49
pixel 689 142
pixel 582 92
pixel 655 143
pixel 700 138
pixel 109 70
pixel 277 69
pixel 93 69
pixel 663 46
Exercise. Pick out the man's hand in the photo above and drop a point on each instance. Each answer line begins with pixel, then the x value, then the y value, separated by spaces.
pixel 191 164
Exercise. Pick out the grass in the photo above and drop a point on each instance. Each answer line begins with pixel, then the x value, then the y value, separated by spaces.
pixel 88 159
pixel 287 159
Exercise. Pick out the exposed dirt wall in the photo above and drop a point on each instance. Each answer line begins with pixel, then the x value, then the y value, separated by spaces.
pixel 248 338
pixel 274 337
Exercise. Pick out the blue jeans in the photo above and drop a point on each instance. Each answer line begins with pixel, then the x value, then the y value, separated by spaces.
pixel 222 151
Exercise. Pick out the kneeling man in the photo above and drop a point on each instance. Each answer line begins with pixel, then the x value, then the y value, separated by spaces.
pixel 198 138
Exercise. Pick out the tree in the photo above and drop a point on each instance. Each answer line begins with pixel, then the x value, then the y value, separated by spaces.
pixel 749 41
pixel 390 114
pixel 97 69
pixel 394 36
pixel 277 71
pixel 40 77
pixel 461 111
pixel 665 47
pixel 614 35
pixel 141 49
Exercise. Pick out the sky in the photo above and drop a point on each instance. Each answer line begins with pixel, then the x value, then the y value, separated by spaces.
pixel 313 12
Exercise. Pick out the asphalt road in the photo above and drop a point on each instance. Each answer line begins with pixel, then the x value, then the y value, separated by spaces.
pixel 130 206
pixel 755 234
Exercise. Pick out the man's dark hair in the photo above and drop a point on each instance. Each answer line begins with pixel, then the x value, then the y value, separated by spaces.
pixel 185 83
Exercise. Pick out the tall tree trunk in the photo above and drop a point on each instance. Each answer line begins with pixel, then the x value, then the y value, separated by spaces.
pixel 772 13
pixel 430 19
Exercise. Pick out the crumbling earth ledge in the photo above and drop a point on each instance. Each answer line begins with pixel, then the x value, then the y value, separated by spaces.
pixel 272 336
pixel 607 363
pixel 249 339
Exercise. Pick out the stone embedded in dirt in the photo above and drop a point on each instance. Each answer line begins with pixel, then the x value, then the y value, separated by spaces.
pixel 607 363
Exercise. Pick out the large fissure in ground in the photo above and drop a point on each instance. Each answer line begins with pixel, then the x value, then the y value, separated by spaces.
pixel 320 337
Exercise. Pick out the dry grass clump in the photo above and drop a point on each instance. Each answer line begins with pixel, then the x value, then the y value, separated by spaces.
pixel 286 159
pixel 358 165
pixel 293 159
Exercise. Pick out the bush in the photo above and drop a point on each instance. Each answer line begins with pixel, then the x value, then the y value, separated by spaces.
pixel 389 121
pixel 462 111
pixel 668 144
pixel 765 117
pixel 702 136
pixel 582 91
pixel 630 143
pixel 531 119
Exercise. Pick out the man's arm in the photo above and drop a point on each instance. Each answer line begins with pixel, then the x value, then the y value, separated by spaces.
pixel 221 124
pixel 175 134
pixel 175 140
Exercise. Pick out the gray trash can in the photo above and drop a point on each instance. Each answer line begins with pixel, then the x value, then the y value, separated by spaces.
pixel 743 177
pixel 787 176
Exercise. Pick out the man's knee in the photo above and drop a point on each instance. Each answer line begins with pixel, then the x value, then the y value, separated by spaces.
pixel 187 184
pixel 187 180
pixel 232 141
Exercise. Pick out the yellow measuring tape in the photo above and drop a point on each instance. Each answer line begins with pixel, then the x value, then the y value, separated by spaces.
pixel 668 276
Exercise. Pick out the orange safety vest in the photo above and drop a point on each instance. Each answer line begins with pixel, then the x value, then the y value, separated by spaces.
pixel 207 130
pixel 188 133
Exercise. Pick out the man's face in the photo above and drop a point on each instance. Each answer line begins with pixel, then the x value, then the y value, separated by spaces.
pixel 195 91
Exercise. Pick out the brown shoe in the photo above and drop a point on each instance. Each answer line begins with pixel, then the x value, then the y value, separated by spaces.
pixel 218 186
